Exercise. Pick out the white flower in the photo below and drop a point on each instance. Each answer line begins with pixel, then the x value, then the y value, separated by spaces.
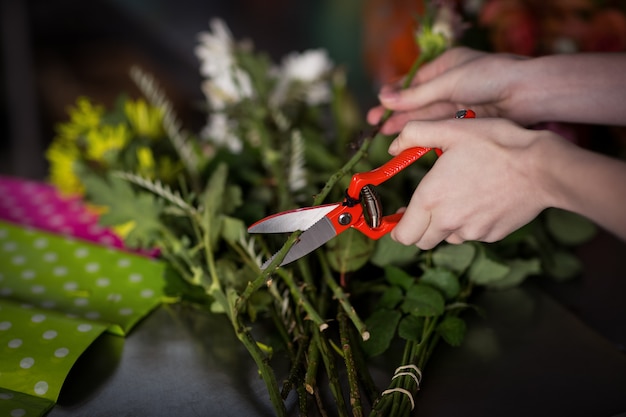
pixel 225 82
pixel 215 49
pixel 229 87
pixel 307 67
pixel 443 25
pixel 306 72
pixel 220 131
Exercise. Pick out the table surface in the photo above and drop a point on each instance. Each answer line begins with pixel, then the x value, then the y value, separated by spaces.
pixel 541 350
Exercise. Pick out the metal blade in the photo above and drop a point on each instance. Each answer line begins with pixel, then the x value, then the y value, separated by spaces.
pixel 318 234
pixel 290 221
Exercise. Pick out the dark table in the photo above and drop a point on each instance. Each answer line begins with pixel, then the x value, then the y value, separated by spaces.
pixel 541 349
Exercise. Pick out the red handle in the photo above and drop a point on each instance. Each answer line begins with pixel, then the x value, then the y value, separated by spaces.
pixel 381 174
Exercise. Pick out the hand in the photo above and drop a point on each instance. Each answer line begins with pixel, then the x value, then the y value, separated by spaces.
pixel 460 78
pixel 486 184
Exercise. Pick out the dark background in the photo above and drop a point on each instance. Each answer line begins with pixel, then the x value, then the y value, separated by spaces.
pixel 55 51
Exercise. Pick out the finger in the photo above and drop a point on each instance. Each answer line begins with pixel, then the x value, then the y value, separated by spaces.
pixel 411 226
pixel 375 114
pixel 450 59
pixel 429 134
pixel 454 239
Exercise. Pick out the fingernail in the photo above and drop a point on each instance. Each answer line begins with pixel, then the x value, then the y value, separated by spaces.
pixel 389 96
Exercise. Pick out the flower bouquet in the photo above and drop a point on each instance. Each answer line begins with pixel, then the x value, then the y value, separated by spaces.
pixel 280 136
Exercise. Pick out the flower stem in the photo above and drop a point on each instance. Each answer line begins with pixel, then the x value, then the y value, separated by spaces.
pixel 353 381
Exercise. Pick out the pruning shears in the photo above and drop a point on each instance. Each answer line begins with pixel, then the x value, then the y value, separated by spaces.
pixel 361 209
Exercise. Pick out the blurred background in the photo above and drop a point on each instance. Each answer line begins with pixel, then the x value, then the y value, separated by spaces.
pixel 53 51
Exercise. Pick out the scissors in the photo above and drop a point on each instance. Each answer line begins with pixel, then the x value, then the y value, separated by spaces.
pixel 361 209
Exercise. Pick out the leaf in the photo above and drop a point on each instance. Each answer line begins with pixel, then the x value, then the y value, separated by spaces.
pixel 423 301
pixel 390 252
pixel 232 228
pixel 456 258
pixel 391 297
pixel 382 327
pixel 176 287
pixel 442 279
pixel 398 277
pixel 569 228
pixel 232 199
pixel 124 205
pixel 563 266
pixel 410 328
pixel 520 270
pixel 213 195
pixel 452 330
pixel 349 251
pixel 485 270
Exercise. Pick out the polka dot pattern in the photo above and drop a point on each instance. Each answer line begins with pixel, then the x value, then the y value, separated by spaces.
pixel 38 349
pixel 57 295
pixel 77 277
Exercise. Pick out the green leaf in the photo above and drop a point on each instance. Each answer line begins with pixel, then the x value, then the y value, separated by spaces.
pixel 563 266
pixel 391 297
pixel 399 277
pixel 390 252
pixel 232 228
pixel 212 199
pixel 485 270
pixel 442 279
pixel 520 270
pixel 456 258
pixel 423 301
pixel 177 287
pixel 452 330
pixel 569 228
pixel 382 327
pixel 410 328
pixel 349 251
pixel 124 205
pixel 232 199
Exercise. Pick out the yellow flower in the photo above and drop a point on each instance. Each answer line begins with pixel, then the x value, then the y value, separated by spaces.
pixel 64 152
pixel 103 144
pixel 122 230
pixel 83 118
pixel 144 119
pixel 146 161
pixel 62 159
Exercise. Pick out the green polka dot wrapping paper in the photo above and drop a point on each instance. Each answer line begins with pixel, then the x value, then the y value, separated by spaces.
pixel 57 295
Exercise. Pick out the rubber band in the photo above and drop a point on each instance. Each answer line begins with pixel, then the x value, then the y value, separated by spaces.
pixel 403 391
pixel 417 376
pixel 411 374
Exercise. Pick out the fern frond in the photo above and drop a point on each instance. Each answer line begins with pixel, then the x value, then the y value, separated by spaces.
pixel 297 170
pixel 157 187
pixel 172 125
pixel 248 247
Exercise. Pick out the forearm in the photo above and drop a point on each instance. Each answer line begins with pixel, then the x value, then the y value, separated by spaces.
pixel 587 183
pixel 581 88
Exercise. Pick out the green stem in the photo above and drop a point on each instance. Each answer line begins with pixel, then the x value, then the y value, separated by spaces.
pixel 331 371
pixel 342 297
pixel 262 362
pixel 301 300
pixel 263 277
pixel 353 381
